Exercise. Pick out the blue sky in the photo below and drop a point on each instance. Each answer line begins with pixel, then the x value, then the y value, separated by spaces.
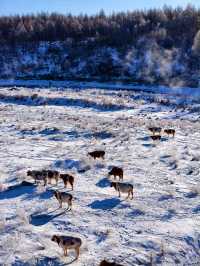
pixel 8 7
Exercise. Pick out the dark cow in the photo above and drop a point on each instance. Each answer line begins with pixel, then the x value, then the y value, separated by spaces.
pixel 51 175
pixel 155 130
pixel 155 137
pixel 64 197
pixel 67 179
pixel 123 188
pixel 67 243
pixel 38 176
pixel 97 154
pixel 170 131
pixel 116 171
pixel 106 263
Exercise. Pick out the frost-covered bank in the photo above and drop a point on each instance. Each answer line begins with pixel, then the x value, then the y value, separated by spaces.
pixel 157 46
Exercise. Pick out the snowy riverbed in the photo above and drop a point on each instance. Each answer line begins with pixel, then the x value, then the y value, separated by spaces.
pixel 44 128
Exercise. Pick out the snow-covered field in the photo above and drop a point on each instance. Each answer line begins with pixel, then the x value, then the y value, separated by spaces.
pixel 55 129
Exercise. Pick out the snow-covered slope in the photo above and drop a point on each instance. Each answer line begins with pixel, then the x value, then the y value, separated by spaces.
pixel 148 64
pixel 54 129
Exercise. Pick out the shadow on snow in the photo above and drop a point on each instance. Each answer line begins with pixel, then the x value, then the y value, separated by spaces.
pixel 106 204
pixel 42 219
pixel 18 190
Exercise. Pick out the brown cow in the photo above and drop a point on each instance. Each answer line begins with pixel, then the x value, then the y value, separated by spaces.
pixel 155 130
pixel 67 179
pixel 123 187
pixel 155 137
pixel 50 175
pixel 38 176
pixel 106 263
pixel 116 171
pixel 170 131
pixel 97 154
pixel 64 197
pixel 68 242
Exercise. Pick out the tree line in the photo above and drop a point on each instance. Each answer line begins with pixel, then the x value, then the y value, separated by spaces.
pixel 167 26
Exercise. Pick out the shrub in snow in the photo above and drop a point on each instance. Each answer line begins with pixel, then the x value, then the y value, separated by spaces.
pixel 11 245
pixel 2 223
pixel 196 44
pixel 22 215
pixel 2 187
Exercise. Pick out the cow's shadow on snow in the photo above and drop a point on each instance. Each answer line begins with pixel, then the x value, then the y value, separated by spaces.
pixel 146 138
pixel 98 135
pixel 149 145
pixel 106 204
pixel 42 261
pixel 136 213
pixel 69 164
pixel 196 209
pixel 165 197
pixel 191 194
pixel 44 218
pixel 47 194
pixel 168 215
pixel 103 183
pixel 163 139
pixel 24 188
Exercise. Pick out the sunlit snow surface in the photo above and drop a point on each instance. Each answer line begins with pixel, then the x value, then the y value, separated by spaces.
pixel 55 128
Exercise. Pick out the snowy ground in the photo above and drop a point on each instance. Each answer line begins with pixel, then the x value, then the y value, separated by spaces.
pixel 54 129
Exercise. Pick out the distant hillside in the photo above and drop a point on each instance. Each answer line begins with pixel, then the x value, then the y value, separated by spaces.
pixel 154 46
